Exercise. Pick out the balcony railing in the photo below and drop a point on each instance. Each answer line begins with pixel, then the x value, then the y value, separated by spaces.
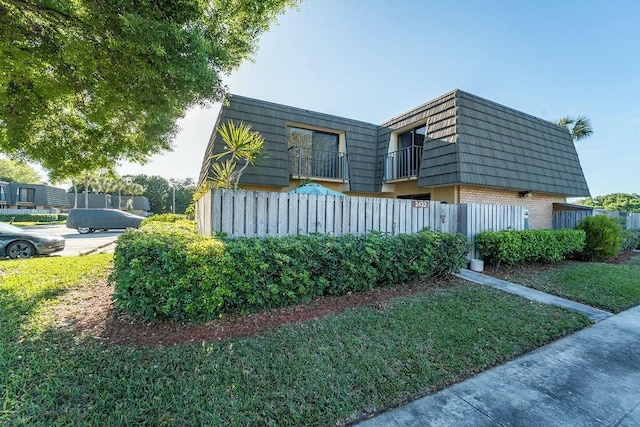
pixel 311 163
pixel 402 164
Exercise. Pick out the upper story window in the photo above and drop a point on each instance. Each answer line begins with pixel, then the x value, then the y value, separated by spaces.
pixel 412 138
pixel 26 195
pixel 312 139
pixel 316 154
pixel 404 161
pixel 3 195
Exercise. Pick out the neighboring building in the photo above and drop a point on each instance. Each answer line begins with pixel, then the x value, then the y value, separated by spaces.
pixel 138 205
pixel 458 148
pixel 16 195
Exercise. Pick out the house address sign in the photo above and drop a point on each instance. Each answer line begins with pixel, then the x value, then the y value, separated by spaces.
pixel 420 204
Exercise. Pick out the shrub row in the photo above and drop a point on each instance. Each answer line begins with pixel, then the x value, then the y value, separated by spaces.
pixel 32 217
pixel 164 272
pixel 515 247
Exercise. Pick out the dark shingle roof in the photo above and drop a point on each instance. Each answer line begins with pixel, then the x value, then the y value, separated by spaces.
pixel 502 147
pixel 469 140
pixel 271 121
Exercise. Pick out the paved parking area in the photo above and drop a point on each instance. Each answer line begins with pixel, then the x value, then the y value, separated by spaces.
pixel 76 243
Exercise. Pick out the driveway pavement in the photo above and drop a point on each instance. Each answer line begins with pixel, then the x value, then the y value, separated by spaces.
pixel 591 378
pixel 76 243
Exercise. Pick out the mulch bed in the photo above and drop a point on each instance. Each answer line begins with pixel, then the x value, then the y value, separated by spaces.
pixel 89 312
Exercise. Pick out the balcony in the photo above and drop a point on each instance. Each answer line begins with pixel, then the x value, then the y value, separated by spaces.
pixel 402 164
pixel 307 162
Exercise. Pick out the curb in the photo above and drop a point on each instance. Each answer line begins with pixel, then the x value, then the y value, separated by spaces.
pixel 96 249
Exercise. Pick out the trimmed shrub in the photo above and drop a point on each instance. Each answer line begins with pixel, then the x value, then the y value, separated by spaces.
pixel 61 217
pixel 516 247
pixel 163 218
pixel 177 274
pixel 29 217
pixel 603 237
pixel 171 225
pixel 630 240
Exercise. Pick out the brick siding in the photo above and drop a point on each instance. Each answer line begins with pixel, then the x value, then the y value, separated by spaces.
pixel 540 205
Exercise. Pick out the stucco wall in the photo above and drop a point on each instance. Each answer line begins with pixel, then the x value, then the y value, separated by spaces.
pixel 540 205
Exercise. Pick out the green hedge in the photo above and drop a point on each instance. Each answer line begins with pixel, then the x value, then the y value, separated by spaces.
pixel 164 272
pixel 32 217
pixel 165 218
pixel 630 239
pixel 603 237
pixel 517 247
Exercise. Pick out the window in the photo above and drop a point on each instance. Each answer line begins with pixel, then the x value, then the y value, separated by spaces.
pixel 3 196
pixel 405 162
pixel 410 150
pixel 412 138
pixel 26 195
pixel 315 153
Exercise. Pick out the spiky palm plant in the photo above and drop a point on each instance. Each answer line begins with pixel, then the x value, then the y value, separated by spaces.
pixel 241 144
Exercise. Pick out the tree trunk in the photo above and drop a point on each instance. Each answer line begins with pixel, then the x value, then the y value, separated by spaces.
pixel 86 193
pixel 75 200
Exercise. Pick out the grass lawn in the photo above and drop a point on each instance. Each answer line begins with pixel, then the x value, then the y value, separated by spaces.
pixel 322 372
pixel 611 287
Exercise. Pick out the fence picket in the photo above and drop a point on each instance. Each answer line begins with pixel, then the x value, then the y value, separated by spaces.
pixel 303 209
pixel 321 215
pixel 312 215
pixel 261 214
pixel 294 217
pixel 272 221
pixel 250 209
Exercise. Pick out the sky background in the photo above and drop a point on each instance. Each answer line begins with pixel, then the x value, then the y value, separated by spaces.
pixel 372 60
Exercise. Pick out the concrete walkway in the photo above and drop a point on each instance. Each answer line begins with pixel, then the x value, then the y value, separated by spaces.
pixel 593 313
pixel 591 378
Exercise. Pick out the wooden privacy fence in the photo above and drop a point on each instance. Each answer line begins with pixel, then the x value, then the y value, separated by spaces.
pixel 633 221
pixel 569 219
pixel 241 213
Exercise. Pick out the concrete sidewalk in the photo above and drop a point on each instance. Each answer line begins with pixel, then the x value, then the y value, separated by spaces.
pixel 534 295
pixel 589 378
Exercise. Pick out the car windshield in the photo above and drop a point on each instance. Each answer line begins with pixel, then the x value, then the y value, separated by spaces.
pixel 8 228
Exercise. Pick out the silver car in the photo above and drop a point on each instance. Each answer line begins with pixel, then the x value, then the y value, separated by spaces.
pixel 18 243
pixel 90 220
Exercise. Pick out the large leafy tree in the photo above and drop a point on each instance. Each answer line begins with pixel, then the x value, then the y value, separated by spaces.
pixel 156 189
pixel 184 190
pixel 620 202
pixel 84 84
pixel 13 171
pixel 579 127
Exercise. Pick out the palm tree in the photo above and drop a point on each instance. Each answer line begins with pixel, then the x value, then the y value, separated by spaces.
pixel 88 178
pixel 579 127
pixel 104 184
pixel 118 185
pixel 132 189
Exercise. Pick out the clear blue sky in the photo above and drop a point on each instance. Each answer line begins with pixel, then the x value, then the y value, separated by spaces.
pixel 372 60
